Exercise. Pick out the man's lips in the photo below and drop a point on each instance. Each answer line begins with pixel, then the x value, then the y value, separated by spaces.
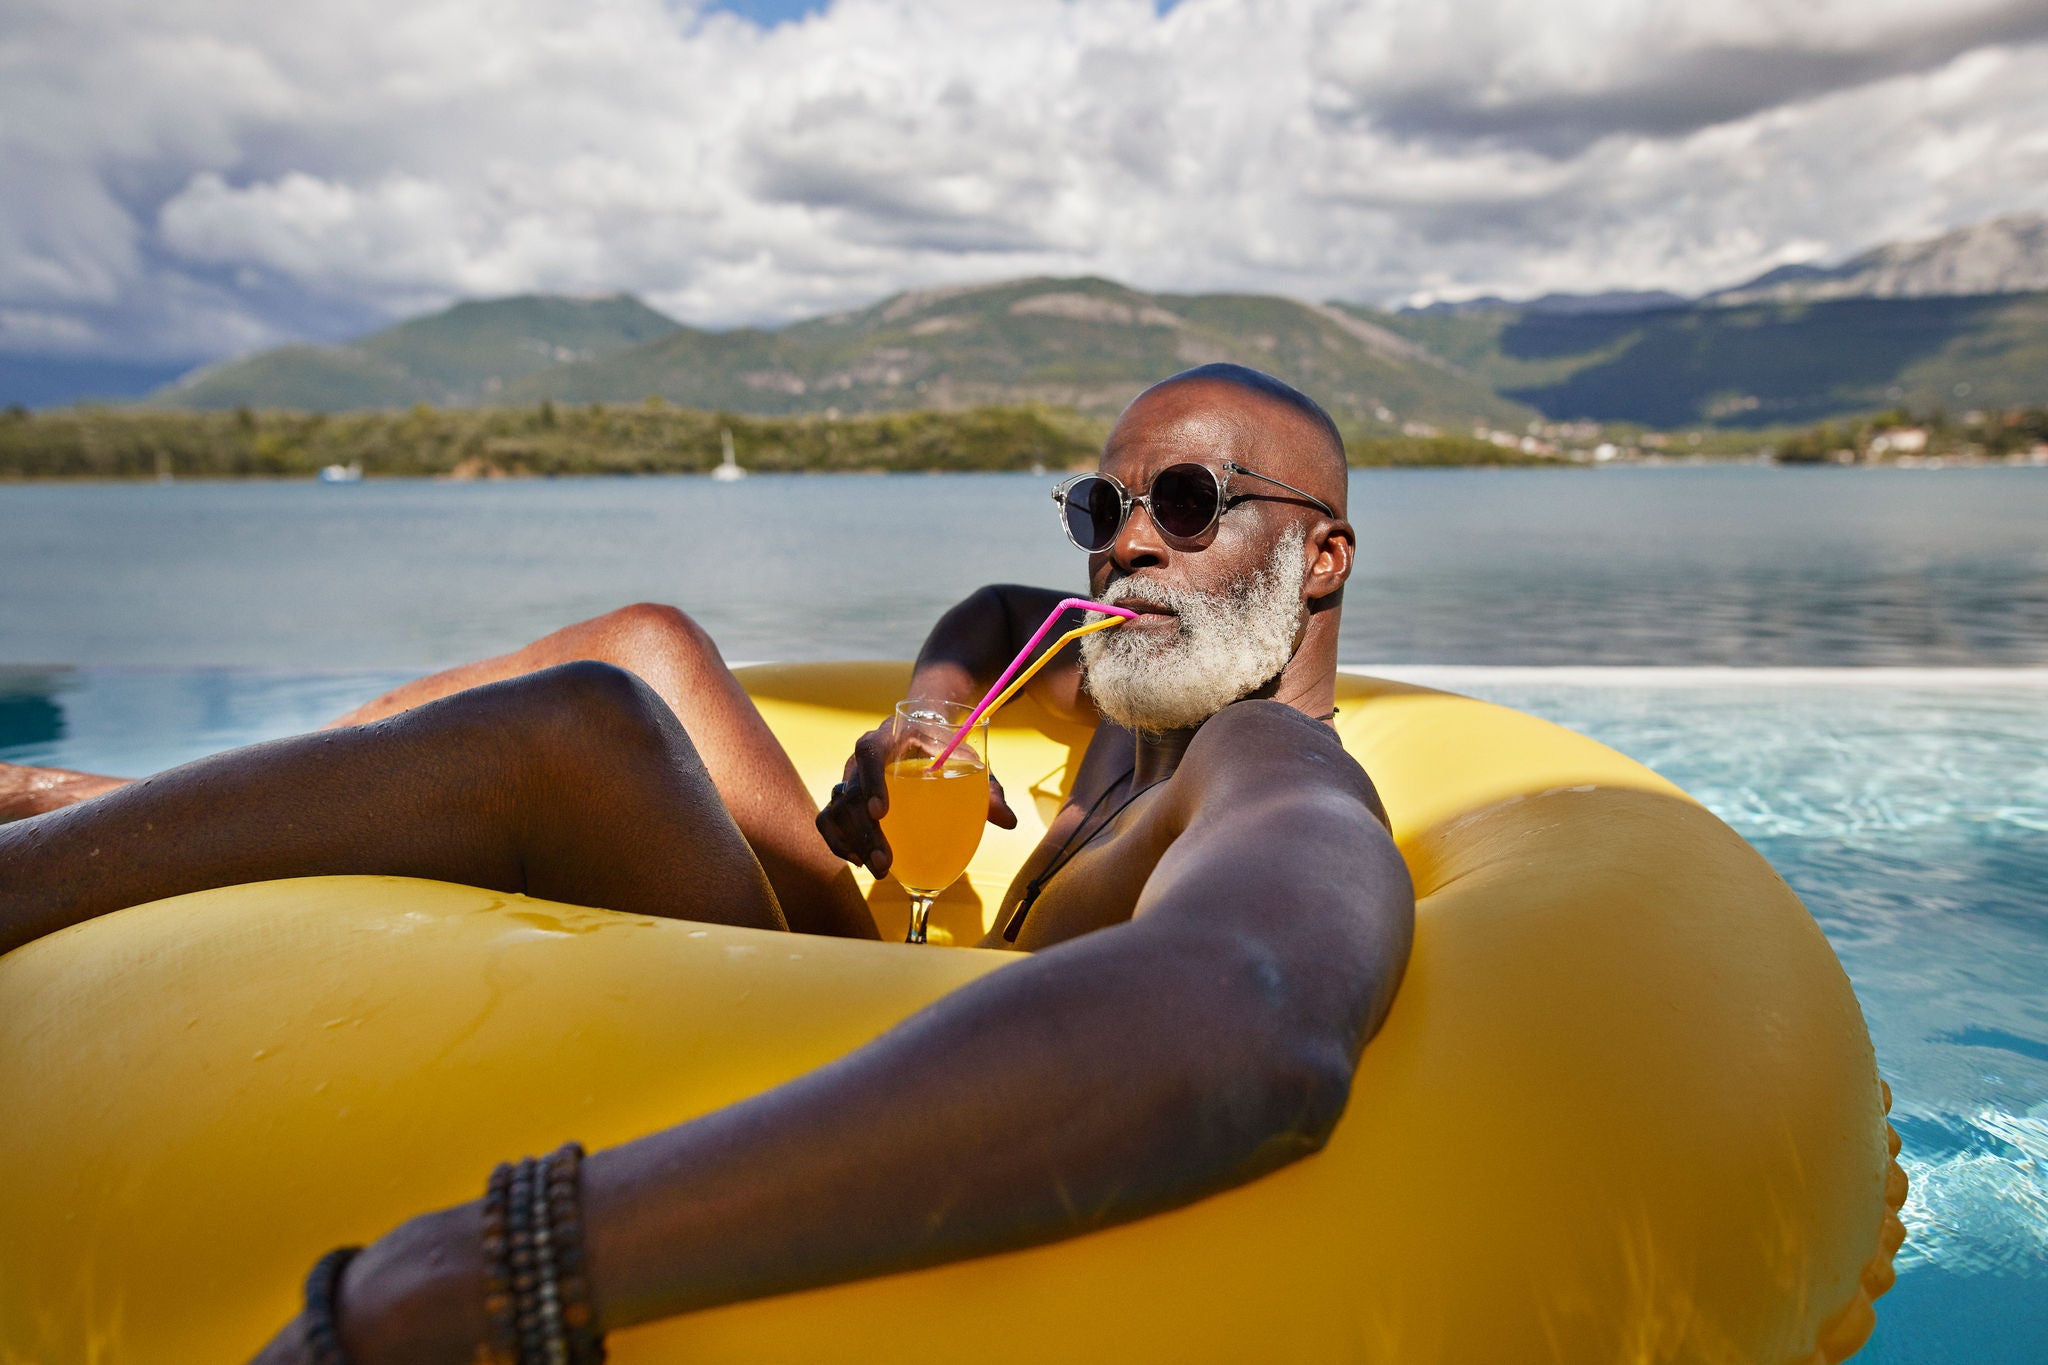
pixel 1150 617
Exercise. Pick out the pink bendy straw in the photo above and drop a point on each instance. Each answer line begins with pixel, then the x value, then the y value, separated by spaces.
pixel 995 693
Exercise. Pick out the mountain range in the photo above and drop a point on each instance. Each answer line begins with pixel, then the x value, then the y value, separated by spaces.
pixel 1084 344
pixel 1961 320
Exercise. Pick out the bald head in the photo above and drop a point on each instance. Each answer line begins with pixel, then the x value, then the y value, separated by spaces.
pixel 1281 430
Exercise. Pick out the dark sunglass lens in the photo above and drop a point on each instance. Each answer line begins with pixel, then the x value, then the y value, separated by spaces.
pixel 1105 513
pixel 1094 512
pixel 1184 500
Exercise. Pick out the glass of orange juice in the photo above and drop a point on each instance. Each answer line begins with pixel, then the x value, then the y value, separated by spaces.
pixel 935 818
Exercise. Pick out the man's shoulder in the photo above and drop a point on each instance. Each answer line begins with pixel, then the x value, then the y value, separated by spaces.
pixel 1260 724
pixel 1254 746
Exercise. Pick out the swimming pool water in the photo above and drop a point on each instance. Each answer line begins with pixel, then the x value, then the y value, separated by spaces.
pixel 1909 809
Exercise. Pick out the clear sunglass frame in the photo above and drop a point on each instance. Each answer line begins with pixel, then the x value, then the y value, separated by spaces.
pixel 1061 495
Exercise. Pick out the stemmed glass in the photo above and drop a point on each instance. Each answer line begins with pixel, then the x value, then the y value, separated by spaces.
pixel 935 818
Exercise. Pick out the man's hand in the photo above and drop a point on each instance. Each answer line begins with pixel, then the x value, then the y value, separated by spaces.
pixel 852 819
pixel 415 1295
pixel 288 1347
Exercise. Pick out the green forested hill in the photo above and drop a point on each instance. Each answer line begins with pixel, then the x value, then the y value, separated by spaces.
pixel 1754 365
pixel 1084 344
pixel 462 356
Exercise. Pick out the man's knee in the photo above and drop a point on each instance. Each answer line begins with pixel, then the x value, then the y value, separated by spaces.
pixel 652 629
pixel 576 712
pixel 588 696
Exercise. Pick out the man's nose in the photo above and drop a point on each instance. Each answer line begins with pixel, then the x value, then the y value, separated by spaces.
pixel 1138 542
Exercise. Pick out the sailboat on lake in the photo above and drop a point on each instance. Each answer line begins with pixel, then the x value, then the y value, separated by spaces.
pixel 729 469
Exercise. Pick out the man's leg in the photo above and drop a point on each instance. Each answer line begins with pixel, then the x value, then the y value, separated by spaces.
pixel 674 656
pixel 574 784
pixel 26 791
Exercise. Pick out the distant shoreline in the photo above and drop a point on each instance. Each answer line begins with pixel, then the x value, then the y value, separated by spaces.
pixel 486 444
pixel 13 480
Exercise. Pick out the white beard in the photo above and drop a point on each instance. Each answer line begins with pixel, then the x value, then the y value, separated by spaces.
pixel 1226 645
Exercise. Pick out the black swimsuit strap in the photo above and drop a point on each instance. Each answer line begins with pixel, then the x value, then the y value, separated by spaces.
pixel 1062 857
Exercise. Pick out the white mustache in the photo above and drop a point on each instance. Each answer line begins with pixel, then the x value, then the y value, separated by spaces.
pixel 1125 591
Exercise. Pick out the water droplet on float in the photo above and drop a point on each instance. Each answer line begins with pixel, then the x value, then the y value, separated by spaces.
pixel 700 933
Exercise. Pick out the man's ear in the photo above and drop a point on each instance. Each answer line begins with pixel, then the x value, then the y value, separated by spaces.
pixel 1329 549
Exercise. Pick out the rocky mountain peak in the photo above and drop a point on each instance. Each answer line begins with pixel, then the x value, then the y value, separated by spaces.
pixel 2006 255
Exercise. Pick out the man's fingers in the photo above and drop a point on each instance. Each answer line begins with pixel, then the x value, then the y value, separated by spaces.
pixel 834 820
pixel 828 826
pixel 867 755
pixel 849 826
pixel 999 813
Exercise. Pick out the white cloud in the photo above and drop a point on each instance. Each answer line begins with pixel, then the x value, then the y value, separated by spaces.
pixel 192 176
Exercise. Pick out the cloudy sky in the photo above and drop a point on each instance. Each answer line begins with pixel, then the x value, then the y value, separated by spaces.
pixel 186 179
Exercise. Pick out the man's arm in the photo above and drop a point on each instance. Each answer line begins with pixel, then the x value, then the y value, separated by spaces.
pixel 1265 952
pixel 966 652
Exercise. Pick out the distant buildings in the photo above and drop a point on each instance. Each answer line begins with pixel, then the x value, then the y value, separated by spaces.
pixel 1897 441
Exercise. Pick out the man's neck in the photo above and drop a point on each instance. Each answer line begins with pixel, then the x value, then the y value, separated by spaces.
pixel 1309 688
pixel 1309 682
pixel 1159 754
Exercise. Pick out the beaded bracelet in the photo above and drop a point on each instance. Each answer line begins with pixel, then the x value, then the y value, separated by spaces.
pixel 538 1294
pixel 546 1308
pixel 323 1289
pixel 525 1265
pixel 499 1305
pixel 572 1283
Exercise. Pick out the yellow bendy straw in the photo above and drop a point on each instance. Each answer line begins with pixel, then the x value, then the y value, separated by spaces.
pixel 1042 660
pixel 1003 689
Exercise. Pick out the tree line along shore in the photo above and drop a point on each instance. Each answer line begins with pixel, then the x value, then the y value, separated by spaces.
pixel 554 440
pixel 655 437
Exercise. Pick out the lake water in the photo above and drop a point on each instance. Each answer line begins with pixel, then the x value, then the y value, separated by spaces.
pixel 1906 803
pixel 1740 566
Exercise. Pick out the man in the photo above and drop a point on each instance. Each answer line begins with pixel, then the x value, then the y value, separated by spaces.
pixel 1219 895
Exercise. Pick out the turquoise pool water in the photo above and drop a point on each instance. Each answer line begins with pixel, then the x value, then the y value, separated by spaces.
pixel 1908 808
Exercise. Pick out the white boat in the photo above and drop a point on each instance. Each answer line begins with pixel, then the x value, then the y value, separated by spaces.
pixel 729 469
pixel 341 473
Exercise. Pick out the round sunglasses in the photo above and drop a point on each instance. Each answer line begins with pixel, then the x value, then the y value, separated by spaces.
pixel 1185 500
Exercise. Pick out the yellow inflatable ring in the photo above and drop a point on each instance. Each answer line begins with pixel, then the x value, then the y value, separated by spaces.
pixel 1624 1108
